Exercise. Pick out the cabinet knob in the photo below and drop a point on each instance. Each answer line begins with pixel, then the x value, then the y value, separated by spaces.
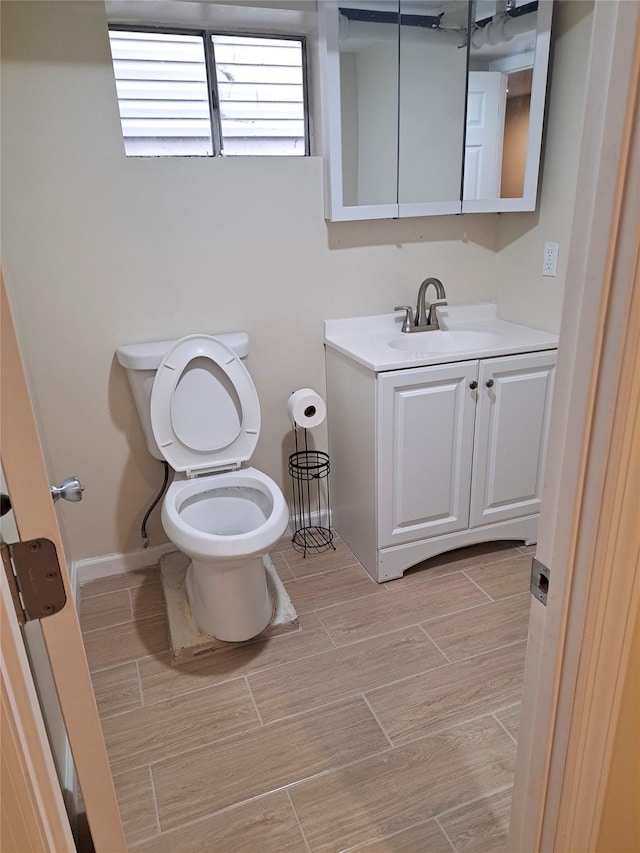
pixel 489 383
pixel 473 385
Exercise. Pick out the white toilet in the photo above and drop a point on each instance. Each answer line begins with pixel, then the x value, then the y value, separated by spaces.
pixel 199 411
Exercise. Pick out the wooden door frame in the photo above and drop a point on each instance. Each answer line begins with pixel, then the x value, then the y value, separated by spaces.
pixel 26 475
pixel 34 819
pixel 579 647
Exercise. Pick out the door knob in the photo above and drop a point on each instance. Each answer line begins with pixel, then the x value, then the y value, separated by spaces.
pixel 473 385
pixel 5 503
pixel 69 490
pixel 489 383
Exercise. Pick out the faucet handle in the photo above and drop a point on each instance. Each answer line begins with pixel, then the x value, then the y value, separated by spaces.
pixel 408 317
pixel 432 318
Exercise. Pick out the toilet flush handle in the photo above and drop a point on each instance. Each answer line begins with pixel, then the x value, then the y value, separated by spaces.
pixel 69 490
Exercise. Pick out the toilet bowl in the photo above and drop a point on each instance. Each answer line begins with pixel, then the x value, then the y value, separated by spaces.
pixel 200 412
pixel 225 523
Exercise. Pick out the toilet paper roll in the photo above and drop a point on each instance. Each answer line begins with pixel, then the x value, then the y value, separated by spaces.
pixel 306 408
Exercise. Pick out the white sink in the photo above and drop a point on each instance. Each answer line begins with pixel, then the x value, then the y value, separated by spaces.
pixel 440 341
pixel 466 332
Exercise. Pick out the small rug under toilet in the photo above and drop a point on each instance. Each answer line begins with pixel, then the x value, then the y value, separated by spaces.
pixel 186 640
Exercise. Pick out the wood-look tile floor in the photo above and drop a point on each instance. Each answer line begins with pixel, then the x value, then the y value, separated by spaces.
pixel 386 724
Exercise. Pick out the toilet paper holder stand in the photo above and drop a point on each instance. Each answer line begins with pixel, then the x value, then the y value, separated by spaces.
pixel 309 470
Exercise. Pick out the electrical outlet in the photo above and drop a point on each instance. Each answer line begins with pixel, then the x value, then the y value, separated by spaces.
pixel 550 259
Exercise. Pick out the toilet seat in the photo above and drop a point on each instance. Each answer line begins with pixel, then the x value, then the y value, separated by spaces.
pixel 205 412
pixel 202 544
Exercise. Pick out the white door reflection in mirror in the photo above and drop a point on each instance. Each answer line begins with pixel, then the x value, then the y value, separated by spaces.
pixel 505 103
pixel 486 103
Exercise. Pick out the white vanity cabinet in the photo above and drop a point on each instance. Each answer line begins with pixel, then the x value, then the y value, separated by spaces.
pixel 436 457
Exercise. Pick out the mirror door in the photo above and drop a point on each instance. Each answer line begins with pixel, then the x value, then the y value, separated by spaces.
pixel 433 76
pixel 508 53
pixel 363 75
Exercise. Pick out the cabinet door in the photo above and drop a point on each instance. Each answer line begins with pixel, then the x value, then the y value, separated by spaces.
pixel 425 442
pixel 359 50
pixel 510 442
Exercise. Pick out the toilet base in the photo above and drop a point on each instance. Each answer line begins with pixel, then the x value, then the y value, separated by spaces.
pixel 231 601
pixel 186 640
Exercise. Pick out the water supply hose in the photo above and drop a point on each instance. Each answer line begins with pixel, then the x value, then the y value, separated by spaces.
pixel 143 526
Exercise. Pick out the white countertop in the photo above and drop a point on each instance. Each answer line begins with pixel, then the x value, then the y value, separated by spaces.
pixel 466 332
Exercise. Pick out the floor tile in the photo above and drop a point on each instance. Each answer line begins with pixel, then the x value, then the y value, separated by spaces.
pixel 331 675
pixel 136 801
pixel 480 827
pixel 124 580
pixel 310 621
pixel 323 590
pixel 427 837
pixel 259 761
pixel 117 689
pixel 102 611
pixel 157 731
pixel 373 615
pixel 110 646
pixel 490 626
pixel 162 679
pixel 453 561
pixel 268 823
pixel 379 796
pixel 510 719
pixel 281 567
pixel 147 600
pixel 315 563
pixel 283 544
pixel 503 579
pixel 449 695
pixel 382 743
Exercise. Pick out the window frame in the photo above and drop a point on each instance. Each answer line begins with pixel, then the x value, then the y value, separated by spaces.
pixel 215 118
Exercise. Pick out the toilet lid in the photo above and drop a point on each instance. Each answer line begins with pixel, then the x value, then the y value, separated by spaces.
pixel 205 412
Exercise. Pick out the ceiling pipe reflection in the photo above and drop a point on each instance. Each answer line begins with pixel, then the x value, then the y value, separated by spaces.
pixel 502 28
pixel 356 35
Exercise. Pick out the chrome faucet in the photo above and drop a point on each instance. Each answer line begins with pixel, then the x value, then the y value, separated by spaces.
pixel 423 321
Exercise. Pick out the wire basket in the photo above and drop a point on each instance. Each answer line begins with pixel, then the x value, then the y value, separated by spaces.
pixel 309 470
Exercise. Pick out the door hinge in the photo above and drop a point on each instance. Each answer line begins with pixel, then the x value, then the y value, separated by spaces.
pixel 34 576
pixel 539 580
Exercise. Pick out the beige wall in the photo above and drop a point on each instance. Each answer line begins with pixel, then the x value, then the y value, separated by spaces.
pixel 100 250
pixel 524 295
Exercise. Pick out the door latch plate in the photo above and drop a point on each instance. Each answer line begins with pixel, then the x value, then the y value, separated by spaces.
pixel 34 576
pixel 539 581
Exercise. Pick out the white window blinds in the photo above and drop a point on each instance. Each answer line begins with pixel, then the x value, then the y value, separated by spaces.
pixel 201 94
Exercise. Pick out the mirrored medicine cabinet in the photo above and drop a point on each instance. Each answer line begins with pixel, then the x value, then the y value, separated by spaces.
pixel 432 107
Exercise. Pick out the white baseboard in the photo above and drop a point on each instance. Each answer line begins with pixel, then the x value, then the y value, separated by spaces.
pixel 115 564
pixel 319 519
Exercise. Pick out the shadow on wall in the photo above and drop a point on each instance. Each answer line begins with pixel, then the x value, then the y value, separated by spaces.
pixel 49 44
pixel 479 228
pixel 142 475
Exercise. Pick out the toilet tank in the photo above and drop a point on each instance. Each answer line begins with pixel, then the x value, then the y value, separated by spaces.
pixel 141 361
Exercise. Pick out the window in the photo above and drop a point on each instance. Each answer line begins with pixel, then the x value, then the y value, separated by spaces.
pixel 206 94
